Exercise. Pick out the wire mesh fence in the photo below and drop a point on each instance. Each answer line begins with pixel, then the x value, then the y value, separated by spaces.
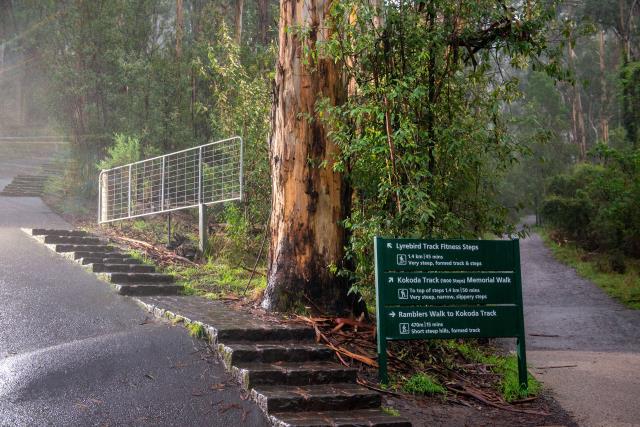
pixel 210 173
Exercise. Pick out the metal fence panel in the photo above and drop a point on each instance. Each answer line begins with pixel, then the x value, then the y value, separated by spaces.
pixel 210 173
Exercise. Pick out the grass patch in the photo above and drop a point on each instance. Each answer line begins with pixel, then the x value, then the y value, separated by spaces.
pixel 623 287
pixel 216 279
pixel 423 384
pixel 225 269
pixel 505 366
pixel 196 330
pixel 139 256
pixel 510 384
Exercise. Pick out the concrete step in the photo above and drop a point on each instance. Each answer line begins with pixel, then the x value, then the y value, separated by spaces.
pixel 29 177
pixel 82 248
pixel 29 181
pixel 57 232
pixel 142 289
pixel 251 375
pixel 11 194
pixel 283 333
pixel 22 193
pixel 336 397
pixel 27 184
pixel 15 190
pixel 139 278
pixel 74 240
pixel 358 417
pixel 114 259
pixel 103 255
pixel 270 352
pixel 12 187
pixel 120 268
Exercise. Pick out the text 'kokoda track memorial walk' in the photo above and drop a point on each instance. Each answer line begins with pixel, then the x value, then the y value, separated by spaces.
pixel 429 289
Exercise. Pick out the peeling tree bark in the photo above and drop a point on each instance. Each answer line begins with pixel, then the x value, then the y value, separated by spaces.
pixel 309 198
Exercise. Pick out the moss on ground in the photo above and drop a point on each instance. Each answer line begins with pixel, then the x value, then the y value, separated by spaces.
pixel 424 384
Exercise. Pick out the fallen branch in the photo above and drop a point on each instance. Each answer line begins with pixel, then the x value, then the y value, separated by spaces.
pixel 154 248
pixel 363 383
pixel 556 367
pixel 364 359
pixel 478 397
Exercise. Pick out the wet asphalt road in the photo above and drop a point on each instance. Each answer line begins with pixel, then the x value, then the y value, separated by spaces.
pixel 73 353
pixel 581 343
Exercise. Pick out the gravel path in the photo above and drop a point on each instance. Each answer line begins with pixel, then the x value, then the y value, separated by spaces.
pixel 581 343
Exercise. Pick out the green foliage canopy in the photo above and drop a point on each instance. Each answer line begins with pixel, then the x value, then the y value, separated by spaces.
pixel 422 135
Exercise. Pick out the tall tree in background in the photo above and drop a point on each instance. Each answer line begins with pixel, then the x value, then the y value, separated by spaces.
pixel 263 21
pixel 577 113
pixel 238 19
pixel 310 199
pixel 179 28
pixel 604 119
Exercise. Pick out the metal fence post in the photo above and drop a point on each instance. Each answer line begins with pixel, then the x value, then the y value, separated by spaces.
pixel 129 192
pixel 162 186
pixel 202 211
pixel 241 170
pixel 100 197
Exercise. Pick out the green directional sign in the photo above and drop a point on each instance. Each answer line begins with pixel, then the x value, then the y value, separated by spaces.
pixel 448 289
pixel 451 322
pixel 445 255
pixel 413 288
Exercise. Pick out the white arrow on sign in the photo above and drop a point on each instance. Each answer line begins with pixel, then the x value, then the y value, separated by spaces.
pixel 390 280
pixel 389 246
pixel 392 314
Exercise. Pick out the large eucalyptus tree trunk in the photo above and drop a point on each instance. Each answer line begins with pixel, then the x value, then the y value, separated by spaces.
pixel 309 198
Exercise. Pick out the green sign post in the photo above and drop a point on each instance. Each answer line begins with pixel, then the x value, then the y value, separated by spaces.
pixel 448 289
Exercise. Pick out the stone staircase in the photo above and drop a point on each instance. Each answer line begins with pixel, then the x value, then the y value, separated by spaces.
pixel 294 381
pixel 31 185
pixel 125 274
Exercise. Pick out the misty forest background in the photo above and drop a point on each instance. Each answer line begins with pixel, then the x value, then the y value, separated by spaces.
pixel 558 137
